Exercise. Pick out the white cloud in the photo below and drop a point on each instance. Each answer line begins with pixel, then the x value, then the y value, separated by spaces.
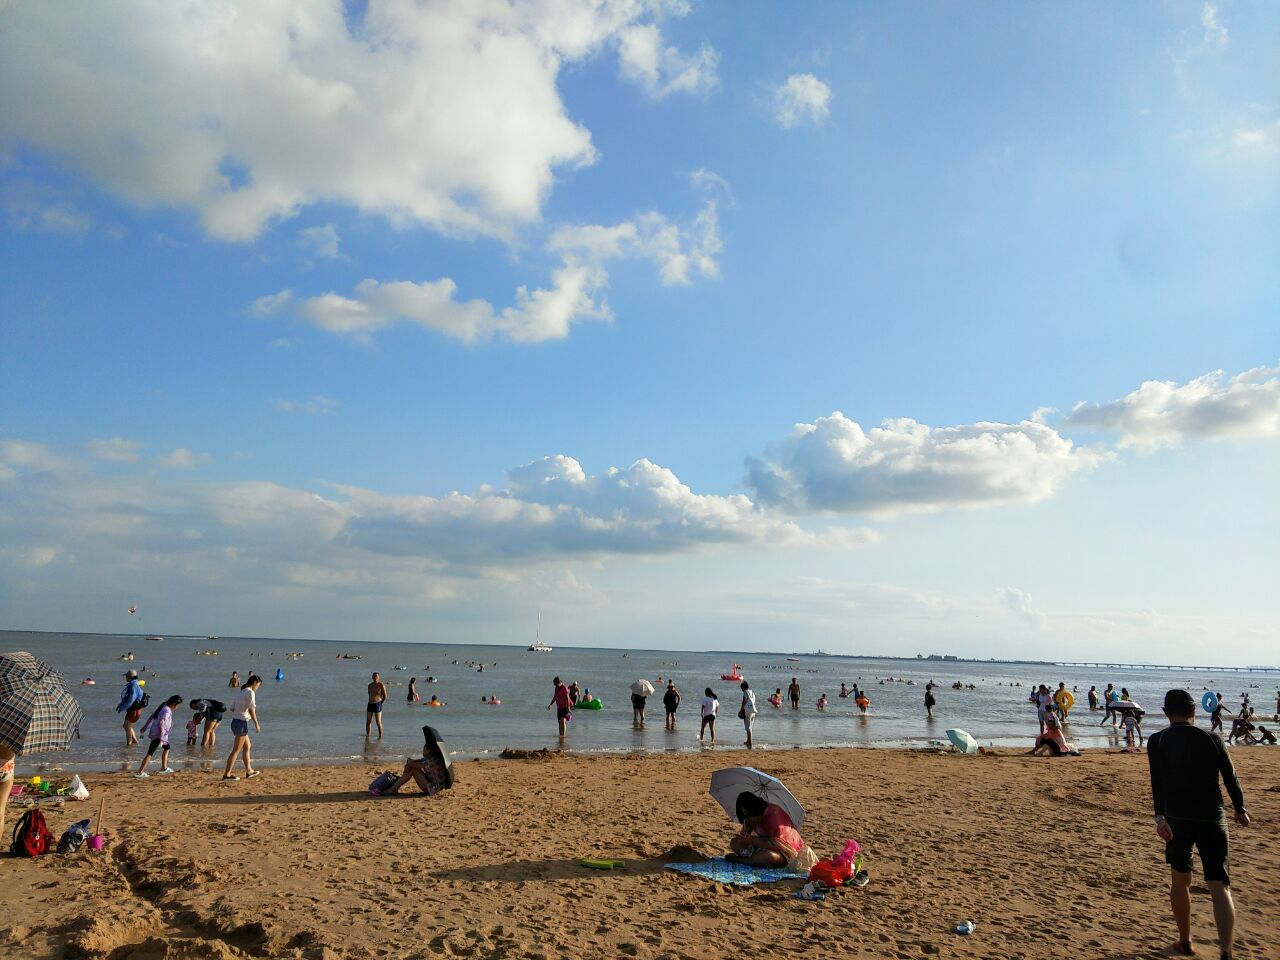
pixel 802 98
pixel 1020 602
pixel 322 242
pixel 30 206
pixel 681 252
pixel 182 459
pixel 663 70
pixel 834 466
pixel 1160 413
pixel 444 114
pixel 316 405
pixel 117 449
pixel 1215 34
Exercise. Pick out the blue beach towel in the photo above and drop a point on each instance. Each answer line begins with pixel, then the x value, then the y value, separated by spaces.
pixel 737 874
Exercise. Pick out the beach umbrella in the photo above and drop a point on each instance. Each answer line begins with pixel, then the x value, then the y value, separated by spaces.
pixel 435 743
pixel 962 741
pixel 642 688
pixel 36 711
pixel 726 784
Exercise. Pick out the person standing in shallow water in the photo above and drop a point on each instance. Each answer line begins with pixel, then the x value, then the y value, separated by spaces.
pixel 747 712
pixel 793 691
pixel 671 701
pixel 1186 763
pixel 929 701
pixel 561 701
pixel 377 697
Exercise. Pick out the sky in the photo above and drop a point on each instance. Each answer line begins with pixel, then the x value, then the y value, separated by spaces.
pixel 872 328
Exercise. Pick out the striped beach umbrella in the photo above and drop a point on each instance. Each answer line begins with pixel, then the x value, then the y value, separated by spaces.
pixel 37 713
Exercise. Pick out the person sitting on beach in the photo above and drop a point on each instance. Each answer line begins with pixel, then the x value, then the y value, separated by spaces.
pixel 768 837
pixel 428 771
pixel 1265 735
pixel 1052 742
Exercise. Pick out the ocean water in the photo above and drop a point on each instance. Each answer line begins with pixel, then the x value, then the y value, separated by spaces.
pixel 316 714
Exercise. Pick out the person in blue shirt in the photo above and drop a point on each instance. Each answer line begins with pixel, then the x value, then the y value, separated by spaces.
pixel 131 705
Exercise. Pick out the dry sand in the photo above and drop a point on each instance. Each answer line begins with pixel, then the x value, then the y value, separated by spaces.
pixel 1046 855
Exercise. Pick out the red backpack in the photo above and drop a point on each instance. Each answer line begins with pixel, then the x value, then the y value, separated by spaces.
pixel 31 836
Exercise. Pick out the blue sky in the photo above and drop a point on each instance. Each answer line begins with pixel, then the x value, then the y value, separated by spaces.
pixel 691 325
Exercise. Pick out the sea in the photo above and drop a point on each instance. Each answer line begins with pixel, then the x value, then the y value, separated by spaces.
pixel 315 712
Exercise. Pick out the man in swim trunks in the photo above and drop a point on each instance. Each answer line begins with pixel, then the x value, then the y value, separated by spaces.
pixel 1185 765
pixel 793 691
pixel 377 697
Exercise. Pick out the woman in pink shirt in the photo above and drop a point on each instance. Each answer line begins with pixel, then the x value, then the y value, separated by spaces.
pixel 562 702
pixel 768 837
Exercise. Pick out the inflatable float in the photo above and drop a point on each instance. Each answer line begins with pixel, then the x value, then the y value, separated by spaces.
pixel 88 682
pixel 1209 701
pixel 862 703
pixel 593 704
pixel 1064 700
pixel 736 675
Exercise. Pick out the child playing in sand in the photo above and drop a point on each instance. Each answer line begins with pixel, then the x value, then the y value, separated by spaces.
pixel 193 727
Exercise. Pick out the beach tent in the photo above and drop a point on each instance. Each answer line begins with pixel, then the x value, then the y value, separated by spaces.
pixel 435 743
pixel 962 741
pixel 726 784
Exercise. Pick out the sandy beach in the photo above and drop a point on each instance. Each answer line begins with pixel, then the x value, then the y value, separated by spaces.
pixel 1041 854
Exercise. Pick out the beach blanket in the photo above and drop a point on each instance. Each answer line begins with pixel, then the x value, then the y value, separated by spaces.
pixel 737 874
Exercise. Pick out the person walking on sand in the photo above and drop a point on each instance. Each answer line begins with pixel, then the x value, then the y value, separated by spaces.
pixel 747 712
pixel 244 710
pixel 793 691
pixel 1186 763
pixel 710 707
pixel 671 701
pixel 157 728
pixel 377 697
pixel 561 701
pixel 131 706
pixel 929 701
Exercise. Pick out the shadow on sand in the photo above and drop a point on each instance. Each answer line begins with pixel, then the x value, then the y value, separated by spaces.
pixel 517 871
pixel 285 799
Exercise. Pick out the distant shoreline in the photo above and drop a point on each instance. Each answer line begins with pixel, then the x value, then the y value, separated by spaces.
pixel 1229 668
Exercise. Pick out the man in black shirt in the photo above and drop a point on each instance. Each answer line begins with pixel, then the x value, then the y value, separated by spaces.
pixel 1185 765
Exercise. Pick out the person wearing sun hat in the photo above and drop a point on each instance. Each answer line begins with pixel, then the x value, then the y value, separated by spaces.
pixel 1186 763
pixel 131 706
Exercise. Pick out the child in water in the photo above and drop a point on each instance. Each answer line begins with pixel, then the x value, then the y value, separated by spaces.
pixel 193 727
pixel 1133 738
pixel 822 702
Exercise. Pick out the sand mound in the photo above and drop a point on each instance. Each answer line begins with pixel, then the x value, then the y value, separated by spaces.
pixel 511 753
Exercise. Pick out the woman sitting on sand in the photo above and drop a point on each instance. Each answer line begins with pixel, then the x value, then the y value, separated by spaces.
pixel 1052 742
pixel 430 771
pixel 768 837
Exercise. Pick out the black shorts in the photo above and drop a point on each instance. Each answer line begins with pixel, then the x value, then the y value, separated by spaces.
pixel 155 745
pixel 1209 838
pixel 374 707
pixel 562 712
pixel 637 701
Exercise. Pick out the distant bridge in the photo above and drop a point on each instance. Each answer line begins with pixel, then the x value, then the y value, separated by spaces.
pixel 1167 666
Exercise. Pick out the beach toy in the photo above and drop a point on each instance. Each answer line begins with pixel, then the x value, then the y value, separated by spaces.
pixel 1209 701
pixel 36 780
pixel 495 702
pixel 279 674
pixel 96 841
pixel 142 683
pixel 863 702
pixel 595 703
pixel 603 864
pixel 88 682
pixel 736 675
pixel 1064 699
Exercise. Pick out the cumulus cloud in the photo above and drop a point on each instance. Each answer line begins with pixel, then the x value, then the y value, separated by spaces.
pixel 663 70
pixel 322 242
pixel 182 459
pixel 681 252
pixel 246 111
pixel 117 449
pixel 1160 413
pixel 801 98
pixel 833 465
pixel 318 404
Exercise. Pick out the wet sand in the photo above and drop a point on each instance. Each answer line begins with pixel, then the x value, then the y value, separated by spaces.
pixel 1055 855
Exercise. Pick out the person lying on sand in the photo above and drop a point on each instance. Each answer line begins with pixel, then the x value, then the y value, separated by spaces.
pixel 768 837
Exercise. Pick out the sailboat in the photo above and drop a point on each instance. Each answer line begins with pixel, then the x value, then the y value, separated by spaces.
pixel 538 646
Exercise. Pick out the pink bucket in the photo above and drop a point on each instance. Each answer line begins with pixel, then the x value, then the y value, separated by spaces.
pixel 96 841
